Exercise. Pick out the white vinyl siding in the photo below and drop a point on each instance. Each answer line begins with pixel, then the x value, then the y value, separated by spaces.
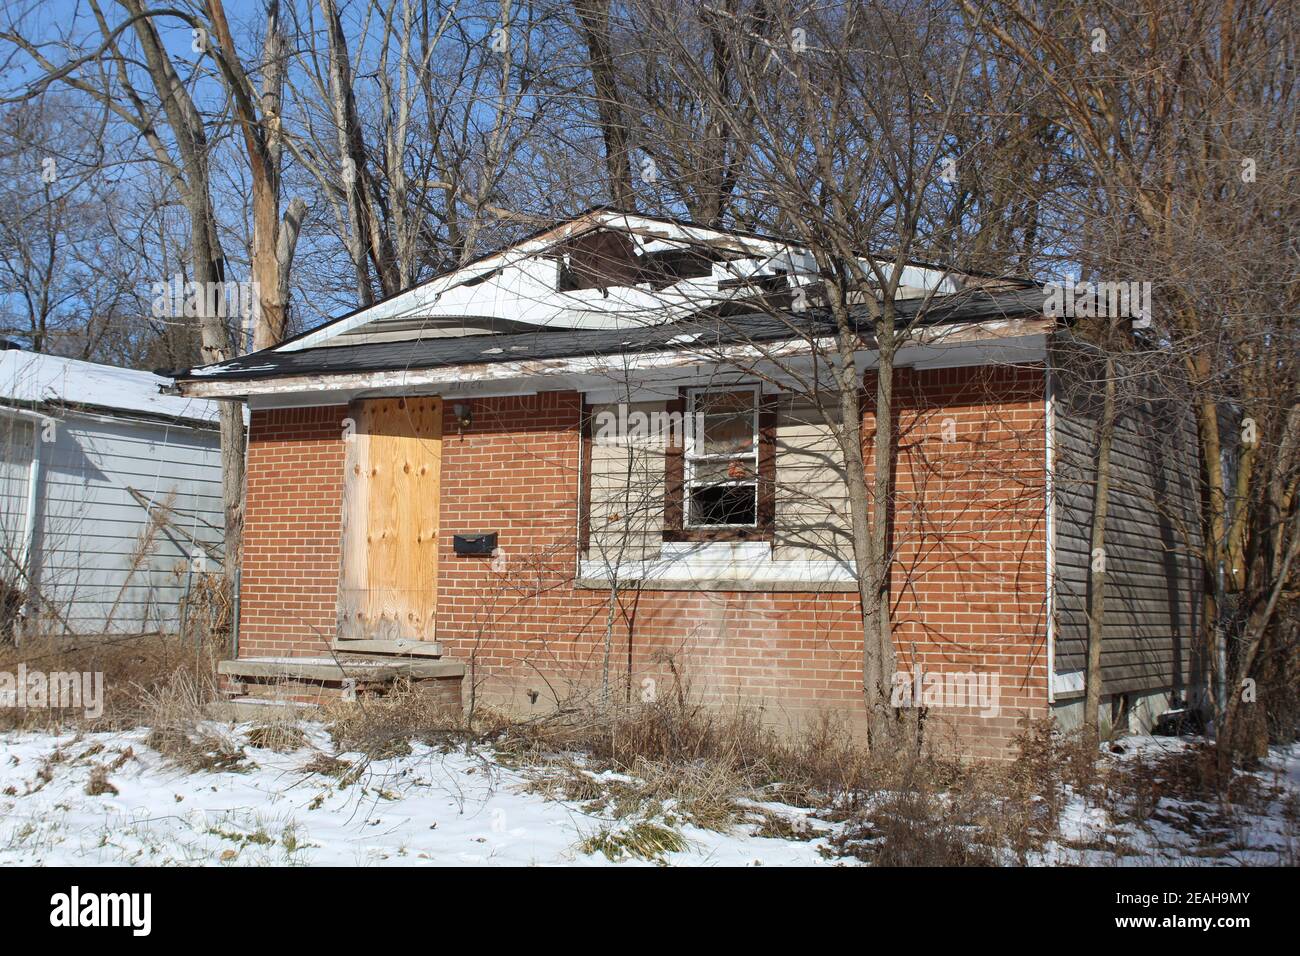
pixel 100 562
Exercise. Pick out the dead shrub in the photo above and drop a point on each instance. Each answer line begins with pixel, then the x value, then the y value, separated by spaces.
pixel 700 763
pixel 914 828
pixel 777 826
pixel 570 784
pixel 279 735
pixel 702 792
pixel 198 752
pixel 1182 789
pixel 671 738
pixel 98 783
pixel 326 765
pixel 174 712
pixel 383 727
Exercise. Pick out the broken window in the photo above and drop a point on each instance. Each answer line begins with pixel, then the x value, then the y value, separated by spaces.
pixel 722 458
pixel 720 478
pixel 670 266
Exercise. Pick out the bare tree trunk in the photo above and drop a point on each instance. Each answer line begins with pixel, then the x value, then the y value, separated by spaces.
pixel 365 239
pixel 867 517
pixel 1097 554
pixel 208 265
pixel 594 16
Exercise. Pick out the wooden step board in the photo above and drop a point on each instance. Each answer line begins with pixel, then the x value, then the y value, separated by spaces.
pixel 397 648
pixel 318 680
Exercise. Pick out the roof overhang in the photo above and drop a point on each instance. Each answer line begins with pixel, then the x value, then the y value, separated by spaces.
pixel 1015 340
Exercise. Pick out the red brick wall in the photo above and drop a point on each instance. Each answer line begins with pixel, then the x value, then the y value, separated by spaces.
pixel 969 586
pixel 292 511
pixel 970 532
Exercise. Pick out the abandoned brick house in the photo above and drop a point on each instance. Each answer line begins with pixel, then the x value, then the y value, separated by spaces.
pixel 480 483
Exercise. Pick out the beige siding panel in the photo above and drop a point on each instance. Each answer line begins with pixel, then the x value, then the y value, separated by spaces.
pixel 812 506
pixel 627 488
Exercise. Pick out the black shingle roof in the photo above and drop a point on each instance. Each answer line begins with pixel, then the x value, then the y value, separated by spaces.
pixel 697 334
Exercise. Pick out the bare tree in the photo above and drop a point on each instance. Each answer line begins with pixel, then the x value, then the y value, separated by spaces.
pixel 274 240
pixel 1188 124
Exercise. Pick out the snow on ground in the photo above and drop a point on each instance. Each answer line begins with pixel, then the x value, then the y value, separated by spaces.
pixel 437 808
pixel 1184 832
pixel 427 809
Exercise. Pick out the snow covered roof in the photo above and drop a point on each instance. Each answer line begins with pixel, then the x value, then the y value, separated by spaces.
pixel 32 379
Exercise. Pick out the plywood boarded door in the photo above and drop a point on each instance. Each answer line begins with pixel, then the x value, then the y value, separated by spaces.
pixel 389 573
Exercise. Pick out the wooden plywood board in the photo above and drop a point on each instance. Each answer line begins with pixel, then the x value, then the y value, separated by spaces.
pixel 389 572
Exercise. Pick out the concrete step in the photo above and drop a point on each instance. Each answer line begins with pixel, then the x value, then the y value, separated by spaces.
pixel 259 708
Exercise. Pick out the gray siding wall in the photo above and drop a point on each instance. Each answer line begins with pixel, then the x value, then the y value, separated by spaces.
pixel 1153 577
pixel 101 561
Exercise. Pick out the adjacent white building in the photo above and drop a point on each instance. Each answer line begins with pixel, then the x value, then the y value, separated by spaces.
pixel 110 497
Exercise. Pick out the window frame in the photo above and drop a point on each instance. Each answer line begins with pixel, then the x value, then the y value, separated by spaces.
pixel 679 461
pixel 692 459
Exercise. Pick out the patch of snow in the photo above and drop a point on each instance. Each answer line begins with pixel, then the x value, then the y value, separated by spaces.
pixel 430 808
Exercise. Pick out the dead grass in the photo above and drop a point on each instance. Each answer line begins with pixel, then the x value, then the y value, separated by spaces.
pixel 915 828
pixel 154 681
pixel 644 840
pixel 179 729
pixel 680 750
pixel 98 783
pixel 672 760
pixel 197 751
pixel 650 769
pixel 327 765
pixel 136 670
pixel 282 735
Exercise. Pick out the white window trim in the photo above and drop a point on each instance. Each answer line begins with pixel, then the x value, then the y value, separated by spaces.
pixel 689 458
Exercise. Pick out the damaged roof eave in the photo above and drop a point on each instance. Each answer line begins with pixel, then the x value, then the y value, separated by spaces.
pixel 611 368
